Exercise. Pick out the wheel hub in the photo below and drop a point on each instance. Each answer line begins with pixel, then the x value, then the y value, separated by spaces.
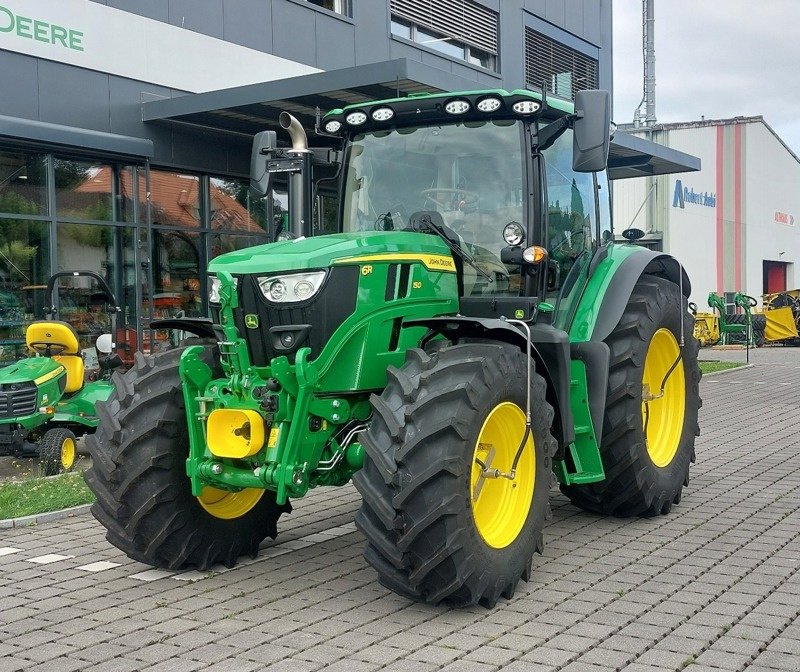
pixel 501 496
pixel 663 397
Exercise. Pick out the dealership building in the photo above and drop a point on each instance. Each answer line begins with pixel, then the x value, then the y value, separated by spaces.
pixel 126 125
pixel 734 224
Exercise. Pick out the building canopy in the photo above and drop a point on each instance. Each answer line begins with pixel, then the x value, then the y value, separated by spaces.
pixel 256 107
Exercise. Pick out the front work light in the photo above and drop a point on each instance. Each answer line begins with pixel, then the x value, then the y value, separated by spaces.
pixel 457 106
pixel 356 118
pixel 382 114
pixel 489 104
pixel 525 106
pixel 333 126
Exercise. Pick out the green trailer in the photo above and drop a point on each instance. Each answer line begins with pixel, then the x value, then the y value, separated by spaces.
pixel 469 335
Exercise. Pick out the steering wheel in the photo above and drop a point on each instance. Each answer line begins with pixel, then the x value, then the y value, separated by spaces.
pixel 465 198
pixel 751 300
pixel 46 348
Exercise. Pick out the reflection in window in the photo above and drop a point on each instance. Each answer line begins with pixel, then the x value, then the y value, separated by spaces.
pixel 24 269
pixel 338 6
pixel 23 183
pixel 84 190
pixel 175 199
pixel 176 274
pixel 109 252
pixel 233 208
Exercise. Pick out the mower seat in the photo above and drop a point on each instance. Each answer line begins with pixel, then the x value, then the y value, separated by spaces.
pixel 64 341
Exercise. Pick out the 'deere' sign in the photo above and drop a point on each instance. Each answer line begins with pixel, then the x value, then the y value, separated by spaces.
pixel 41 31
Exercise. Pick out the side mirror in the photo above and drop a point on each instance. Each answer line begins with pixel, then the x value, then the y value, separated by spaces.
pixel 592 131
pixel 263 143
pixel 104 343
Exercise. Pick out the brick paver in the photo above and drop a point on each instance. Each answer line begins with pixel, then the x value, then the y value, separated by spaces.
pixel 712 586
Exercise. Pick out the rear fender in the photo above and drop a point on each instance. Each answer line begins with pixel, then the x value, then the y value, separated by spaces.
pixel 549 348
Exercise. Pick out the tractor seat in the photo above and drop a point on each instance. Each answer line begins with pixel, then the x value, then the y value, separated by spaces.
pixel 66 349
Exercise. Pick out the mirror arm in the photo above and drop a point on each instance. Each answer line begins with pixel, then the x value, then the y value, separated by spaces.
pixel 553 131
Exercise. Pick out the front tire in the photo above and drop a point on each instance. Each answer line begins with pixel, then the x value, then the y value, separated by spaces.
pixel 57 451
pixel 138 475
pixel 437 530
pixel 648 439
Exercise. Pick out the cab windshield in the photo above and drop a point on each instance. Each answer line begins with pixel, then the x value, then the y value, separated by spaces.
pixel 471 173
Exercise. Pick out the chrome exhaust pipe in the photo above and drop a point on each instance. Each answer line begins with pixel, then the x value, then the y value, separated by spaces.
pixel 296 132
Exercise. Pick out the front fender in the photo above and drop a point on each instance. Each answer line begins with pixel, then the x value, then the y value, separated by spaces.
pixel 613 274
pixel 549 348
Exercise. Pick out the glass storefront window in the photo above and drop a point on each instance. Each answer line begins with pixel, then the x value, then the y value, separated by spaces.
pixel 177 266
pixel 175 199
pixel 23 183
pixel 132 207
pixel 24 269
pixel 234 209
pixel 84 190
pixel 110 252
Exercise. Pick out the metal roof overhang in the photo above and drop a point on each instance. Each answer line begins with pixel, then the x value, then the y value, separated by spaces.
pixel 256 107
pixel 45 134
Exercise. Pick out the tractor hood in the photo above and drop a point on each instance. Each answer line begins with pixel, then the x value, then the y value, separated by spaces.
pixel 324 251
pixel 34 369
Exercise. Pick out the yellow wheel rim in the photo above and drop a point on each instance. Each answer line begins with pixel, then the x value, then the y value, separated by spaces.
pixel 228 505
pixel 500 506
pixel 67 454
pixel 662 416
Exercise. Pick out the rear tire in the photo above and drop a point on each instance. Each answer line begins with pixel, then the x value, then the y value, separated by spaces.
pixel 138 474
pixel 57 451
pixel 426 537
pixel 635 485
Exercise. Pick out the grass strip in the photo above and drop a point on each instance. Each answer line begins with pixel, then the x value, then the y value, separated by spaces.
pixel 42 495
pixel 713 367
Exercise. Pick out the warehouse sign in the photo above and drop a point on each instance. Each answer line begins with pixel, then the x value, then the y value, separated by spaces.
pixel 93 36
pixel 42 31
pixel 684 195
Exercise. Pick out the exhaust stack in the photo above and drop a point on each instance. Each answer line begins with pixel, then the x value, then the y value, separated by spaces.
pixel 295 130
pixel 300 190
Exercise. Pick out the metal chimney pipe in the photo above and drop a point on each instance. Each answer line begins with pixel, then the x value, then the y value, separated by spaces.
pixel 649 63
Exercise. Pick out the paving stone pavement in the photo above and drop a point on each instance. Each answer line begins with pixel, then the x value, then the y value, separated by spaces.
pixel 712 586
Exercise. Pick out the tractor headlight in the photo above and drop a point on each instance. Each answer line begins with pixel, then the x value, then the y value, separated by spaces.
pixel 291 288
pixel 514 234
pixel 214 285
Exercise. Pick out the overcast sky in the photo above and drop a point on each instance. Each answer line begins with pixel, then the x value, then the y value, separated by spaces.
pixel 714 58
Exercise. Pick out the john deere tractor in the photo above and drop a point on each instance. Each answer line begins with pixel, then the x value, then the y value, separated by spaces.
pixel 469 335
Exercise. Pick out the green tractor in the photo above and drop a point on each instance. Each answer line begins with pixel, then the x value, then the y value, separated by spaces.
pixel 469 335
pixel 44 402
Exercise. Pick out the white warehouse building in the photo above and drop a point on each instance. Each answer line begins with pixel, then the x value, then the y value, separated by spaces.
pixel 734 224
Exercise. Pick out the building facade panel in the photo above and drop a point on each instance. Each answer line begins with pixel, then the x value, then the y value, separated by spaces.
pixel 731 222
